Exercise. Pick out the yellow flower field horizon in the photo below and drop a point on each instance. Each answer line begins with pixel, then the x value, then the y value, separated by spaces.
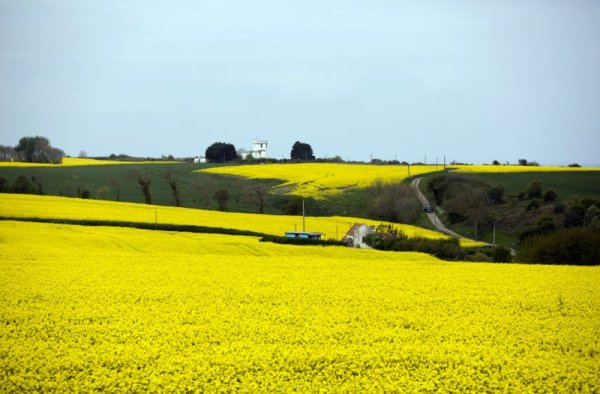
pixel 334 227
pixel 77 161
pixel 123 310
pixel 320 180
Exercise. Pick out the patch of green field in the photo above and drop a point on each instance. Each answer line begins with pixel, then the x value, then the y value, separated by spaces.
pixel 118 182
pixel 566 184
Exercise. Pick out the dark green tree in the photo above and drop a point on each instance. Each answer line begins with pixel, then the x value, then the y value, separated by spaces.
pixel 38 150
pixel 23 185
pixel 220 152
pixel 534 190
pixel 496 194
pixel 550 196
pixel 302 151
pixel 222 197
pixel 4 185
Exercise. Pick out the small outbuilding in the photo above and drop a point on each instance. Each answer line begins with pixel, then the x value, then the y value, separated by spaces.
pixel 304 235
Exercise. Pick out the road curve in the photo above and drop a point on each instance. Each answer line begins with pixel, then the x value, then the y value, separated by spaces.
pixel 433 218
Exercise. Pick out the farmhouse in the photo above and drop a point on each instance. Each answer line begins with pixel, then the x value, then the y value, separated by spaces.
pixel 354 236
pixel 198 159
pixel 259 150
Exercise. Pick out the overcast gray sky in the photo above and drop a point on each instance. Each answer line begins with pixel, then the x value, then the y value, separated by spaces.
pixel 472 80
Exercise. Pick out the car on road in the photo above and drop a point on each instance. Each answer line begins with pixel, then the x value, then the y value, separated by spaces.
pixel 428 209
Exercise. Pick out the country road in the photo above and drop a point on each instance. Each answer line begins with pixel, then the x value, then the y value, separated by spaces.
pixel 435 220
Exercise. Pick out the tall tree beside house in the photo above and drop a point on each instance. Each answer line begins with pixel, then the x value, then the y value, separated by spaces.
pixel 302 151
pixel 220 152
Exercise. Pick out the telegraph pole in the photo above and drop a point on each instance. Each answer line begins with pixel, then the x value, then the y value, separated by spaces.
pixel 303 224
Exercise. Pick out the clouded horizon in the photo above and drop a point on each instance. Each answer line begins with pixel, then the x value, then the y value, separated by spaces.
pixel 474 81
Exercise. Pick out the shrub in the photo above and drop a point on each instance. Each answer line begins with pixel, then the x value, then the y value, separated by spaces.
pixel 23 185
pixel 575 246
pixel 501 254
pixel 559 208
pixel 543 226
pixel 3 185
pixel 496 194
pixel 534 190
pixel 534 204
pixel 574 216
pixel 550 196
pixel 84 194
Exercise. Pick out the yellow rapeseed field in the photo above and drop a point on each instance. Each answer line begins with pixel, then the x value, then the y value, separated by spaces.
pixel 319 180
pixel 75 161
pixel 104 309
pixel 31 206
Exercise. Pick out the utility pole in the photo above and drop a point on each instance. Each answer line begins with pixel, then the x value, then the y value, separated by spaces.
pixel 303 224
pixel 444 162
pixel 409 169
pixel 425 160
pixel 436 163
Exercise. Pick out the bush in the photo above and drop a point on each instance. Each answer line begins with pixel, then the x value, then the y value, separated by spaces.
pixel 4 188
pixel 550 196
pixel 543 226
pixel 23 185
pixel 534 190
pixel 559 208
pixel 393 203
pixel 574 165
pixel 501 254
pixel 574 216
pixel 534 204
pixel 575 246
pixel 496 194
pixel 84 194
pixel 387 237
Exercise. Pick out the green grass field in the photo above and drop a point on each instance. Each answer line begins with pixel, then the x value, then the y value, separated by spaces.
pixel 196 189
pixel 566 184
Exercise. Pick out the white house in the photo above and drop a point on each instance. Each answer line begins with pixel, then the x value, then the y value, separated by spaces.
pixel 199 159
pixel 259 150
pixel 354 236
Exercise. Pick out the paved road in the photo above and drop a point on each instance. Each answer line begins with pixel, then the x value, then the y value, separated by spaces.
pixel 435 220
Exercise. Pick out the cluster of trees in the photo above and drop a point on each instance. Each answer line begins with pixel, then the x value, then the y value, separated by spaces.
pixel 387 237
pixel 541 220
pixel 524 162
pixel 392 202
pixel 221 152
pixel 32 150
pixel 466 198
pixel 573 246
pixel 22 184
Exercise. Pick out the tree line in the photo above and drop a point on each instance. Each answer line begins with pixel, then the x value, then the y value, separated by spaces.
pixel 32 150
